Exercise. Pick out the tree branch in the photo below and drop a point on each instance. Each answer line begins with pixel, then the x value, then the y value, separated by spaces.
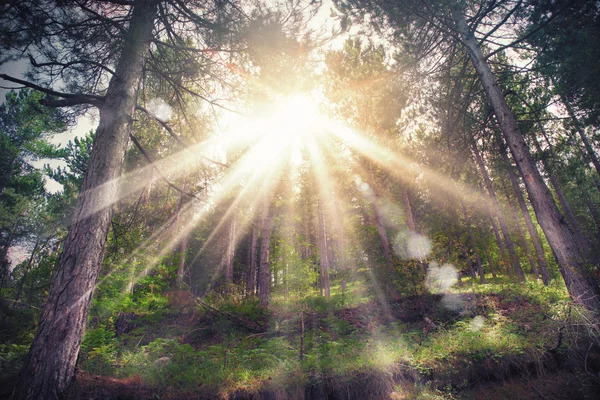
pixel 175 136
pixel 69 99
pixel 69 64
pixel 149 159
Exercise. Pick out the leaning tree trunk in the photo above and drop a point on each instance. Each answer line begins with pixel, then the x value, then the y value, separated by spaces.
pixel 516 263
pixel 533 233
pixel 562 199
pixel 582 288
pixel 50 365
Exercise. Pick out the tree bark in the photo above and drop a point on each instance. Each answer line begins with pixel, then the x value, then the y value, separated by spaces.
pixel 323 252
pixel 533 233
pixel 516 263
pixel 582 288
pixel 50 366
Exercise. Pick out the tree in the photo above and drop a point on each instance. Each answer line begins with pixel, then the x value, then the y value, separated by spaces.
pixel 24 128
pixel 81 43
pixel 563 34
pixel 440 22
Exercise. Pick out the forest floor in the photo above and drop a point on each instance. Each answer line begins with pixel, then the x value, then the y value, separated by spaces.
pixel 494 341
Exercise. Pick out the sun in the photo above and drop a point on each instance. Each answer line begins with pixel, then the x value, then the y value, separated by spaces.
pixel 297 116
pixel 277 135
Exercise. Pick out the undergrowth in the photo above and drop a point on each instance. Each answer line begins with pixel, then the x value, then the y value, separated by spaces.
pixel 425 346
pixel 496 330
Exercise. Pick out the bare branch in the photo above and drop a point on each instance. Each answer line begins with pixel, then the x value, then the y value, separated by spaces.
pixel 69 64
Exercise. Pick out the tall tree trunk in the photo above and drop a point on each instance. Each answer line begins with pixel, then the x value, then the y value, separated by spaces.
pixel 323 252
pixel 4 260
pixel 564 245
pixel 533 233
pixel 499 241
pixel 252 253
pixel 516 263
pixel 410 220
pixel 381 230
pixel 50 365
pixel 230 251
pixel 184 240
pixel 182 254
pixel 474 244
pixel 523 239
pixel 562 199
pixel 264 268
pixel 591 153
pixel 593 212
pixel 19 288
pixel 489 258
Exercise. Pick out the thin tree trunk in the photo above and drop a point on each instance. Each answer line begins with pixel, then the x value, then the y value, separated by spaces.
pixel 535 238
pixel 323 252
pixel 474 244
pixel 564 245
pixel 252 253
pixel 516 263
pixel 50 366
pixel 264 268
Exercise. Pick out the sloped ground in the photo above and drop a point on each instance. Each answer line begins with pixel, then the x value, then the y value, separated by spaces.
pixel 481 342
pixel 514 343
